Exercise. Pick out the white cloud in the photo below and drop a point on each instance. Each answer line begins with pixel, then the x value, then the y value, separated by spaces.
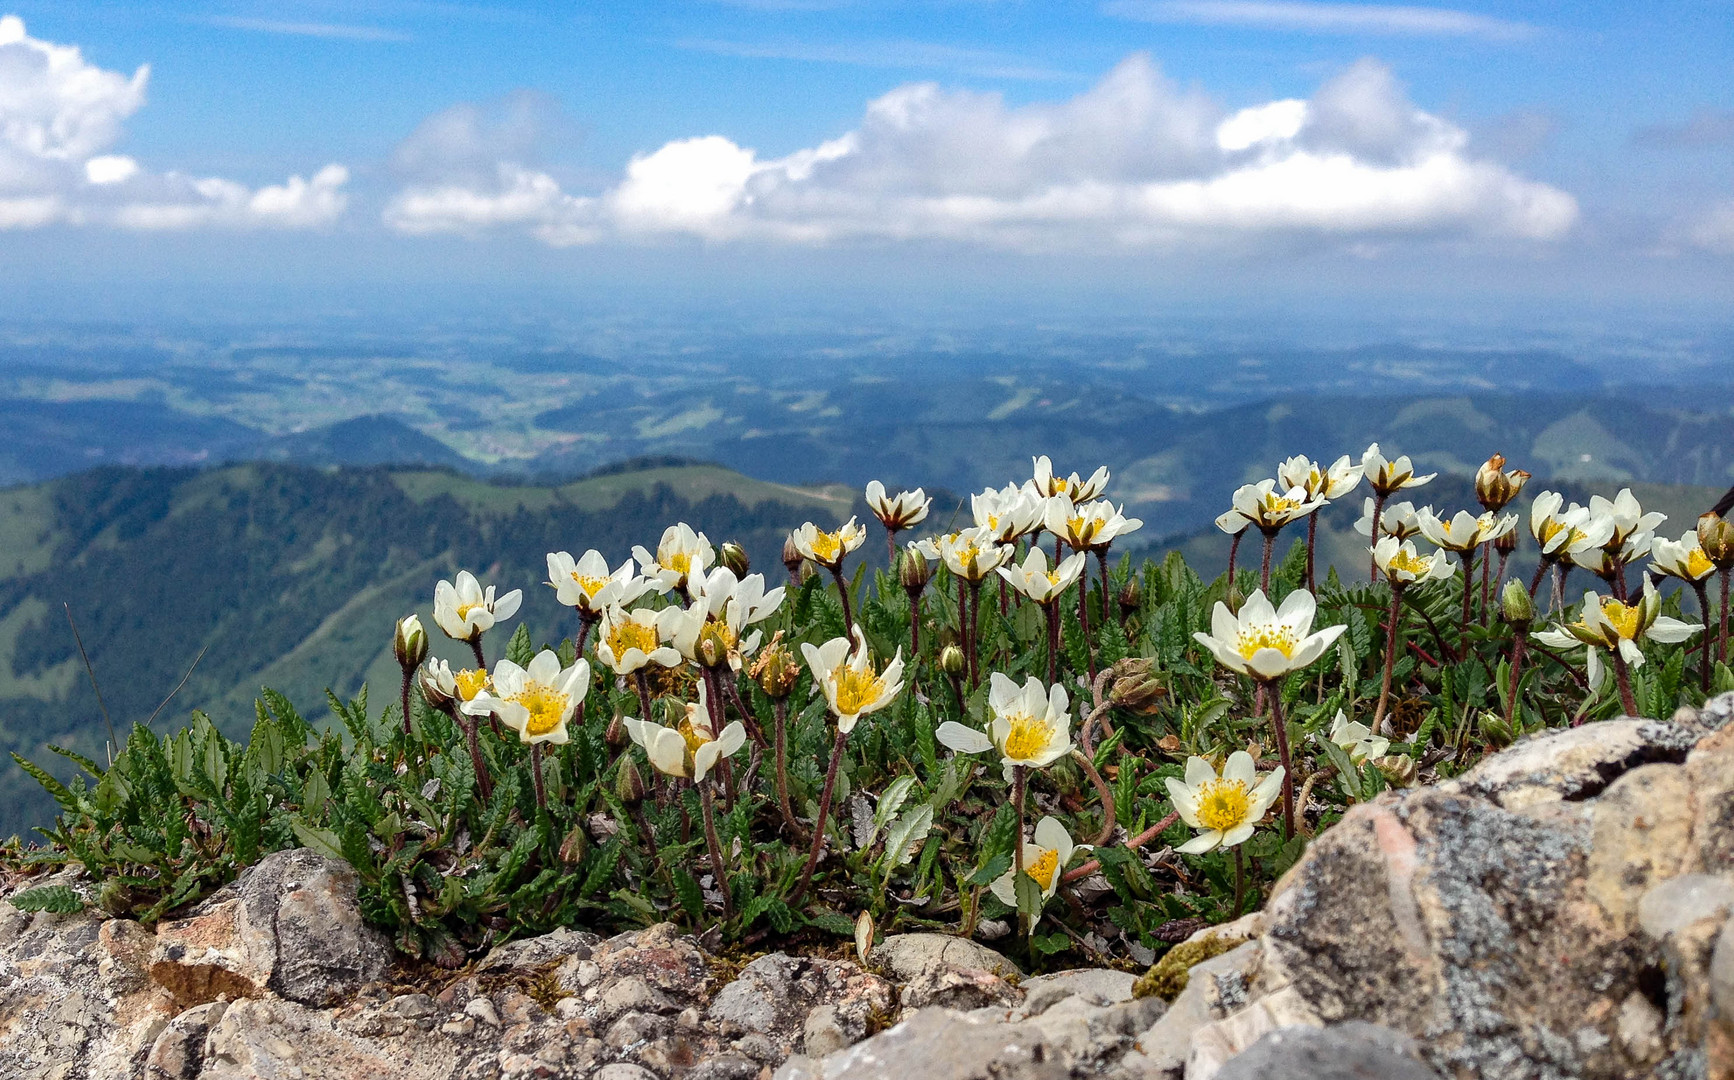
pixel 1714 230
pixel 1134 161
pixel 338 31
pixel 59 114
pixel 1317 18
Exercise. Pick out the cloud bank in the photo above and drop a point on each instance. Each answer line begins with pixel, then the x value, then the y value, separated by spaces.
pixel 59 117
pixel 1133 162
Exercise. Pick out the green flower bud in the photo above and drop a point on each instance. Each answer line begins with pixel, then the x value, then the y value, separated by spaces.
pixel 574 847
pixel 1515 605
pixel 951 661
pixel 1716 537
pixel 629 785
pixel 913 570
pixel 409 642
pixel 1494 729
pixel 776 669
pixel 1136 686
pixel 733 556
pixel 1131 598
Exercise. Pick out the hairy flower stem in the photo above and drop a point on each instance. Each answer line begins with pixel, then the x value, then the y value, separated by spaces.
pixel 468 725
pixel 843 594
pixel 973 648
pixel 1624 678
pixel 642 682
pixel 1704 613
pixel 819 824
pixel 586 622
pixel 1133 844
pixel 1311 583
pixel 1392 618
pixel 1519 635
pixel 408 674
pixel 914 625
pixel 1280 729
pixel 1264 567
pixel 891 547
pixel 1084 625
pixel 1233 550
pixel 536 774
pixel 1540 573
pixel 1103 792
pixel 781 706
pixel 475 644
pixel 1722 615
pixel 1561 571
pixel 1052 610
pixel 1102 569
pixel 1486 574
pixel 1018 849
pixel 1378 512
pixel 716 850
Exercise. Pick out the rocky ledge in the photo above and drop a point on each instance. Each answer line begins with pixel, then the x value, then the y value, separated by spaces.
pixel 1563 910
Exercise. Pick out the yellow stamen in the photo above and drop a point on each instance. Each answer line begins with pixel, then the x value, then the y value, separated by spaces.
pixel 1043 869
pixel 1410 563
pixel 827 547
pixel 465 609
pixel 1223 804
pixel 1625 620
pixel 1027 738
pixel 857 689
pixel 695 736
pixel 547 706
pixel 1698 564
pixel 631 634
pixel 1269 636
pixel 470 683
pixel 680 562
pixel 719 637
pixel 590 585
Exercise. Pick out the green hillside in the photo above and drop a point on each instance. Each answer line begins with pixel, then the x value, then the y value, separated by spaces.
pixel 291 577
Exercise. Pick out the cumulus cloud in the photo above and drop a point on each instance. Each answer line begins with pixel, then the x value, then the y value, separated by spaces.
pixel 61 115
pixel 1134 161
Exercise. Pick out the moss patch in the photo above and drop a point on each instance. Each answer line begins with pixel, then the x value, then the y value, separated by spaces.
pixel 1168 976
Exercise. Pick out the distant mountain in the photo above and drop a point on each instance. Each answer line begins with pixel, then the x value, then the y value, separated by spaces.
pixel 52 438
pixel 292 577
pixel 365 440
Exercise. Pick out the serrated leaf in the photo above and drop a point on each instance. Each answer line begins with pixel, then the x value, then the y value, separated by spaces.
pixel 907 831
pixel 56 899
pixel 324 841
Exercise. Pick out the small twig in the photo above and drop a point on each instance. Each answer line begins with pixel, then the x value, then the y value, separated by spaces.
pixel 178 685
pixel 113 741
pixel 1138 841
pixel 1561 661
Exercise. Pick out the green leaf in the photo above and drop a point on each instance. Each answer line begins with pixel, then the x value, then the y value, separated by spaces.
pixel 907 831
pixel 520 650
pixel 686 890
pixel 832 923
pixel 1049 944
pixel 68 802
pixel 56 899
pixel 323 841
pixel 1029 895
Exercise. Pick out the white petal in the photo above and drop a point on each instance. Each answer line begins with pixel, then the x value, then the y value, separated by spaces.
pixel 1185 801
pixel 965 740
pixel 1051 835
pixel 1198 771
pixel 1240 767
pixel 1201 843
pixel 1238 834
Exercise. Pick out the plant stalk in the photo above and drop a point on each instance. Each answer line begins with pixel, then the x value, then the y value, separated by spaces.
pixel 1018 849
pixel 1281 731
pixel 843 594
pixel 536 774
pixel 1394 616
pixel 716 850
pixel 819 824
pixel 1624 678
pixel 1378 512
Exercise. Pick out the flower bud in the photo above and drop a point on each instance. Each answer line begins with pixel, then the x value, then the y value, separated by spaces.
pixel 1131 598
pixel 776 669
pixel 1494 729
pixel 733 556
pixel 1136 685
pixel 951 661
pixel 1515 605
pixel 409 642
pixel 1506 542
pixel 629 785
pixel 574 847
pixel 1494 487
pixel 615 736
pixel 1399 769
pixel 433 692
pixel 792 557
pixel 913 570
pixel 1716 537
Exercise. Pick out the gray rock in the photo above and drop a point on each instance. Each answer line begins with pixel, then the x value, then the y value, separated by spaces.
pixel 959 988
pixel 725 1066
pixel 623 1070
pixel 324 952
pixel 1572 764
pixel 537 952
pixel 907 956
pixel 776 996
pixel 1675 904
pixel 1102 986
pixel 1350 1051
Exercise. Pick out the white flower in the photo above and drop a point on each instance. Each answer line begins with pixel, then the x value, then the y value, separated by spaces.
pixel 1610 624
pixel 844 671
pixel 1226 807
pixel 897 512
pixel 971 554
pixel 1071 487
pixel 692 749
pixel 680 553
pixel 587 584
pixel 1031 726
pixel 1401 564
pixel 1008 513
pixel 1044 862
pixel 1627 516
pixel 535 701
pixel 1357 738
pixel 460 686
pixel 1318 481
pixel 1562 534
pixel 1388 477
pixel 1399 519
pixel 828 548
pixel 465 611
pixel 1265 642
pixel 628 641
pixel 1087 526
pixel 1464 532
pixel 1034 580
pixel 715 628
pixel 1684 560
pixel 1264 505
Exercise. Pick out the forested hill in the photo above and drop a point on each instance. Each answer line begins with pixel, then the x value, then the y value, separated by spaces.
pixel 291 577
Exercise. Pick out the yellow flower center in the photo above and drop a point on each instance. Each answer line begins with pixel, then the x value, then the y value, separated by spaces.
pixel 857 689
pixel 1083 530
pixel 680 562
pixel 1698 564
pixel 695 736
pixel 465 609
pixel 1549 529
pixel 547 706
pixel 1623 619
pixel 630 634
pixel 470 683
pixel 1279 504
pixel 1027 738
pixel 715 639
pixel 1053 577
pixel 1061 486
pixel 590 585
pixel 827 547
pixel 1269 636
pixel 1409 563
pixel 1223 804
pixel 1044 868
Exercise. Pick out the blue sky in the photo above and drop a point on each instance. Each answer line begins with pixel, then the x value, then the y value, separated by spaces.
pixel 1223 147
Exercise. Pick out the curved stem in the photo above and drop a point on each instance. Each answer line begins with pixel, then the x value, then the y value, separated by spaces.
pixel 1103 792
pixel 1136 842
pixel 1540 573
pixel 716 850
pixel 1281 731
pixel 914 625
pixel 1395 616
pixel 843 594
pixel 467 724
pixel 819 824
pixel 475 644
